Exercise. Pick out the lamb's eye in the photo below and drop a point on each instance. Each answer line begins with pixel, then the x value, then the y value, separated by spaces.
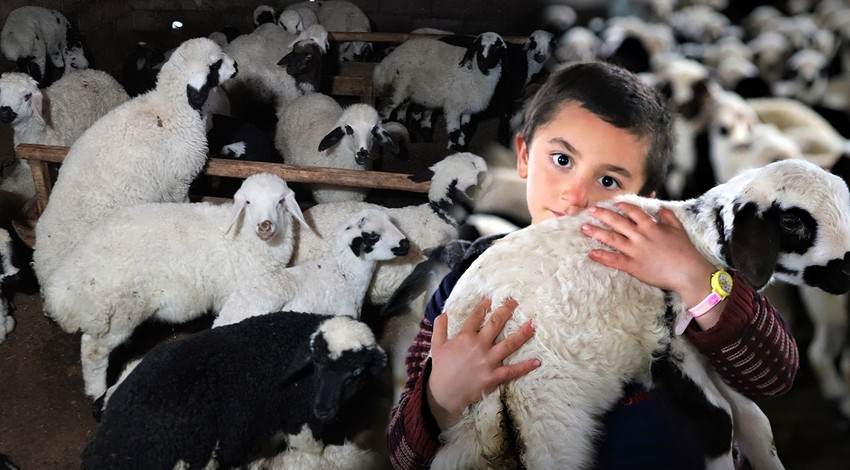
pixel 27 96
pixel 247 203
pixel 790 223
pixel 724 130
pixel 371 237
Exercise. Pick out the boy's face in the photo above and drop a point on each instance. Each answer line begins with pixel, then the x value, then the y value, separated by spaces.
pixel 577 160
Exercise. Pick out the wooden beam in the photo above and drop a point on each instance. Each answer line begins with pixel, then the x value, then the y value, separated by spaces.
pixel 399 37
pixel 40 156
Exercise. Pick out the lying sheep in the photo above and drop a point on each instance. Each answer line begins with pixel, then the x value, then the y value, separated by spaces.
pixel 434 74
pixel 334 284
pixel 789 202
pixel 31 35
pixel 59 114
pixel 426 225
pixel 147 150
pixel 109 284
pixel 215 398
pixel 314 130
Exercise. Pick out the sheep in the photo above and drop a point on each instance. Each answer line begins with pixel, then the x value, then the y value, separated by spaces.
pixel 545 268
pixel 108 284
pixel 59 114
pixel 149 149
pixel 334 284
pixel 434 74
pixel 426 225
pixel 303 451
pixel 314 130
pixel 33 34
pixel 264 14
pixel 345 16
pixel 261 77
pixel 245 383
pixel 295 20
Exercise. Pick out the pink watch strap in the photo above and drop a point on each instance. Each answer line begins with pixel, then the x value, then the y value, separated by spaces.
pixel 703 307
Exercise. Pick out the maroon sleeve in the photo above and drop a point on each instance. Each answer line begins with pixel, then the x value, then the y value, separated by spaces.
pixel 412 434
pixel 751 346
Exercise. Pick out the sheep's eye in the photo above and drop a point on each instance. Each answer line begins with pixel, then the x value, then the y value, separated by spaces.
pixel 247 203
pixel 724 130
pixel 371 237
pixel 28 96
pixel 791 223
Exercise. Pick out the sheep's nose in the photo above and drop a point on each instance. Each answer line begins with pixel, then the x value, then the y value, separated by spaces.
pixel 7 115
pixel 402 248
pixel 265 229
pixel 362 156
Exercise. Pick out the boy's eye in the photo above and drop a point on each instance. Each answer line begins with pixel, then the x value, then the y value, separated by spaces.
pixel 561 160
pixel 609 182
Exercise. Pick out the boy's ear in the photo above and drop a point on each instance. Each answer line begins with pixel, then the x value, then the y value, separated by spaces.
pixel 651 195
pixel 521 157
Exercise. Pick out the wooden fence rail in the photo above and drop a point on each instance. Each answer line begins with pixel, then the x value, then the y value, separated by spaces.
pixel 40 156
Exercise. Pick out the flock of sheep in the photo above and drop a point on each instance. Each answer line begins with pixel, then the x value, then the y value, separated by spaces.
pixel 119 243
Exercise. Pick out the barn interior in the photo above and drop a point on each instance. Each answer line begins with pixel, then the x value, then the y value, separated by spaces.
pixel 45 417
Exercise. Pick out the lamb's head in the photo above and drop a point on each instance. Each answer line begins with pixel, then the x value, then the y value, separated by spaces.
pixel 264 14
pixel 74 53
pixel 264 202
pixel 806 76
pixel 789 219
pixel 355 130
pixel 488 50
pixel 769 145
pixel 687 86
pixel 20 98
pixel 454 178
pixel 291 21
pixel 371 235
pixel 306 60
pixel 539 47
pixel 194 68
pixel 344 354
pixel 732 123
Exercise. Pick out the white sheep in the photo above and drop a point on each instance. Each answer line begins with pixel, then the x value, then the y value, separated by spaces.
pixel 314 130
pixel 248 384
pixel 345 16
pixel 295 20
pixel 334 284
pixel 426 225
pixel 264 14
pixel 434 74
pixel 588 356
pixel 304 451
pixel 149 149
pixel 33 34
pixel 109 283
pixel 59 114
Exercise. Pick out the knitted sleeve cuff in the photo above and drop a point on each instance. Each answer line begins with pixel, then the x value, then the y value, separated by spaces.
pixel 734 319
pixel 423 434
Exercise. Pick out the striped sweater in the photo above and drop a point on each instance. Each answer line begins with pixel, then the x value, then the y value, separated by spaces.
pixel 750 347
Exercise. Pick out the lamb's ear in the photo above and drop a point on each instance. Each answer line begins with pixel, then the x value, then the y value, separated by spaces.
pixel 470 54
pixel 754 245
pixel 294 209
pixel 379 361
pixel 235 211
pixel 36 99
pixel 385 139
pixel 331 139
pixel 422 176
pixel 300 359
pixel 356 246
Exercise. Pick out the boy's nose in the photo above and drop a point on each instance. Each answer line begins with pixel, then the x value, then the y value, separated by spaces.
pixel 576 195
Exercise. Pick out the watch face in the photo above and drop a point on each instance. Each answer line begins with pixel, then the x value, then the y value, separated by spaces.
pixel 724 281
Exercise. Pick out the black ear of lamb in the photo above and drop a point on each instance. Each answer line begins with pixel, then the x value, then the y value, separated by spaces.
pixel 754 245
pixel 422 176
pixel 197 98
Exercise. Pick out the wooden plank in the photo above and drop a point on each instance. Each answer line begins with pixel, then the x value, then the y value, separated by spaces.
pixel 43 184
pixel 40 155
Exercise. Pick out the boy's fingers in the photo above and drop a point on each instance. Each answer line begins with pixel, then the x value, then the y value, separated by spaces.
pixel 496 323
pixel 441 330
pixel 636 214
pixel 473 323
pixel 513 371
pixel 513 341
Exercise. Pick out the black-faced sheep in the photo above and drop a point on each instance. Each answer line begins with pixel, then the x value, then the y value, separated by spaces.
pixel 215 398
pixel 147 150
pixel 109 283
pixel 434 74
pixel 32 35
pixel 332 285
pixel 587 356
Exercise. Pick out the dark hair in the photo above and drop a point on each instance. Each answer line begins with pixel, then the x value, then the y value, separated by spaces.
pixel 619 98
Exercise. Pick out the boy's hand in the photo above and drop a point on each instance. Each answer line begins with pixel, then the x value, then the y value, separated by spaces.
pixel 469 366
pixel 657 252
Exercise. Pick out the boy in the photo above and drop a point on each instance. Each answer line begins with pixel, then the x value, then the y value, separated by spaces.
pixel 591 132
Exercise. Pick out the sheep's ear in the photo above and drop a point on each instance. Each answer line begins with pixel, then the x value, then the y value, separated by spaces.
pixel 293 208
pixel 235 211
pixel 36 100
pixel 385 139
pixel 379 361
pixel 754 245
pixel 470 54
pixel 422 176
pixel 356 246
pixel 331 139
pixel 300 359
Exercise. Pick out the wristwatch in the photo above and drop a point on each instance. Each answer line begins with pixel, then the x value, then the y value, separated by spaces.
pixel 721 287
